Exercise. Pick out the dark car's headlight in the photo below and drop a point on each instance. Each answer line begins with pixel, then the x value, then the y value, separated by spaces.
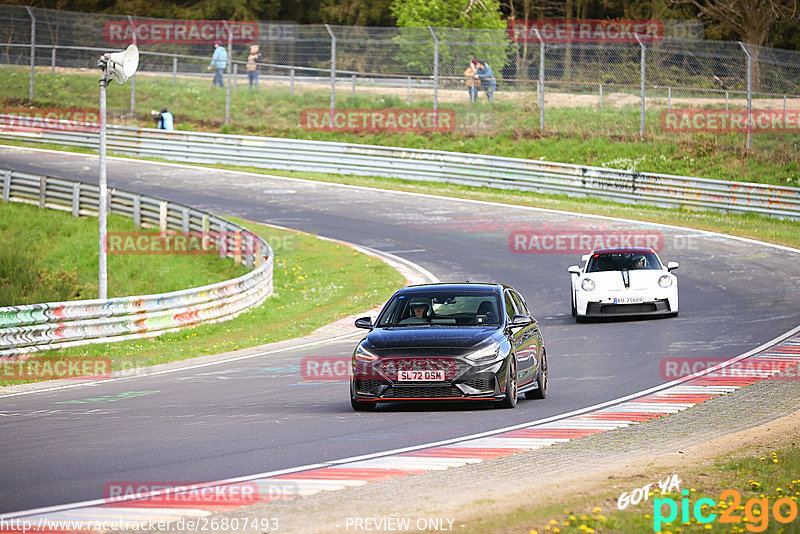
pixel 484 354
pixel 363 355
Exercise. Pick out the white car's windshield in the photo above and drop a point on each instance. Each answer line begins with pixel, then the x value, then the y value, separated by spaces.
pixel 622 261
pixel 474 308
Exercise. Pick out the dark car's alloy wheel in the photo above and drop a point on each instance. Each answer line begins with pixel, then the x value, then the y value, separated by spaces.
pixel 510 399
pixel 541 381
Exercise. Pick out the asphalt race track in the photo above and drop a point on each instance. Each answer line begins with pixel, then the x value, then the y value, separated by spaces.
pixel 259 415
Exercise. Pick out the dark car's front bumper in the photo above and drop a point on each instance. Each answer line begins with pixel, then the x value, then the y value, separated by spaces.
pixel 378 381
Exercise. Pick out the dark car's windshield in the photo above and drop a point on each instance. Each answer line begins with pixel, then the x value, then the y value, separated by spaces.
pixel 620 261
pixel 473 308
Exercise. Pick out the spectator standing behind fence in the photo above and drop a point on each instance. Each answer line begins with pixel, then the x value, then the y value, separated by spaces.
pixel 486 76
pixel 473 84
pixel 253 60
pixel 219 62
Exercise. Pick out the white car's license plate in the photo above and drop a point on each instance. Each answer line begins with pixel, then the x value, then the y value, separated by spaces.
pixel 628 300
pixel 421 376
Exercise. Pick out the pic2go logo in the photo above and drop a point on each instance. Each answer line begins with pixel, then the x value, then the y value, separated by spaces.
pixel 756 511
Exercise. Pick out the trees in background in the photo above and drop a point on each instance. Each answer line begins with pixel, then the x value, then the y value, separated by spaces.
pixel 761 22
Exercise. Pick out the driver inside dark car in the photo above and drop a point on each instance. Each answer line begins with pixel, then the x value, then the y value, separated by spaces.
pixel 419 309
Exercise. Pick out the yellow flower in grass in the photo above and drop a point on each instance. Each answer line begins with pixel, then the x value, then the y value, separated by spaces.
pixel 534 531
pixel 554 521
pixel 596 509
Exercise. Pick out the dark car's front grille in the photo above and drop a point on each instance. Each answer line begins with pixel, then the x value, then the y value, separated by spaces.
pixel 388 367
pixel 423 392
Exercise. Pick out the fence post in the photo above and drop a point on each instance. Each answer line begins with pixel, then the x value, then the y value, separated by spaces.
pixel 408 92
pixel 42 192
pixel 669 99
pixel 291 81
pixel 333 71
pixel 174 69
pixel 133 78
pixel 185 220
pixel 33 52
pixel 601 96
pixel 53 61
pixel 228 68
pixel 137 211
pixel 435 77
pixel 163 206
pixel 642 68
pixel 540 85
pixel 7 186
pixel 76 199
pixel 749 92
pixel 235 75
pixel 354 84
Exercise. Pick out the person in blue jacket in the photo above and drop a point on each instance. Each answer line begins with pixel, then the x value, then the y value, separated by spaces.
pixel 219 62
pixel 166 122
pixel 486 76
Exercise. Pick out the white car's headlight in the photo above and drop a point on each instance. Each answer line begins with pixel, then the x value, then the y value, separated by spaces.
pixel 587 284
pixel 484 354
pixel 363 355
pixel 665 281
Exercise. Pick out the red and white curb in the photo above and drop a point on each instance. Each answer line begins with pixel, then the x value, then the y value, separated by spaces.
pixel 759 364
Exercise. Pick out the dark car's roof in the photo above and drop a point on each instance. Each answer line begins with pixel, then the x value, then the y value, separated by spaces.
pixel 623 250
pixel 452 287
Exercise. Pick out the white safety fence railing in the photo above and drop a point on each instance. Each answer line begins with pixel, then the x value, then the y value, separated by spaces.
pixel 661 190
pixel 36 327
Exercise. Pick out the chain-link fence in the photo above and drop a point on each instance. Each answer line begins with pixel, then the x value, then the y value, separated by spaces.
pixel 347 79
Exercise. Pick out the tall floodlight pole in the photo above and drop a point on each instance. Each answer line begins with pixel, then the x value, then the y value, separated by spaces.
pixel 120 66
pixel 102 269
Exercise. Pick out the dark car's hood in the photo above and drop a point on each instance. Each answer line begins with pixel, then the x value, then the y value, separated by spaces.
pixel 429 337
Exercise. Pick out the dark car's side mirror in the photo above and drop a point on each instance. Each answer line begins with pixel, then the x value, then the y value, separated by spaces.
pixel 521 320
pixel 672 265
pixel 574 269
pixel 364 322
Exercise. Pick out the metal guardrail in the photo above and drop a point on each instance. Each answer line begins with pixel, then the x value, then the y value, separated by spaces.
pixel 36 327
pixel 662 190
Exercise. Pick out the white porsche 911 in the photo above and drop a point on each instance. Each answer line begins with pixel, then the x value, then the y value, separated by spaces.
pixel 623 281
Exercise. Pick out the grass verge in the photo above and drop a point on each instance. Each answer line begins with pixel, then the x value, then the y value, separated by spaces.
pixel 509 126
pixel 744 490
pixel 51 256
pixel 315 282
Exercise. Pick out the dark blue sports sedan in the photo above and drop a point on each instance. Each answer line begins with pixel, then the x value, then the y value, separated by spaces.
pixel 450 342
